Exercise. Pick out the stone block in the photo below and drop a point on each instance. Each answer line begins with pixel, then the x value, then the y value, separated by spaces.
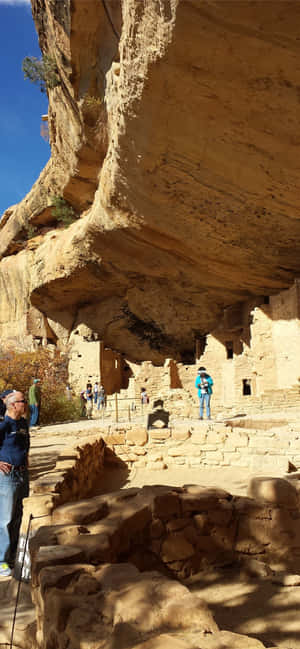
pixel 261 535
pixel 207 448
pixel 119 449
pixel 115 438
pixel 139 451
pixel 222 536
pixel 155 546
pixel 157 466
pixel 83 512
pixel 194 461
pixel 274 490
pixel 294 444
pixel 242 463
pixel 175 548
pixel 213 457
pixel 189 612
pixel 159 434
pixel 198 438
pixel 265 442
pixel 249 507
pixel 178 524
pixel 175 451
pixel 285 579
pixel 49 482
pixel 54 555
pixel 192 451
pixel 269 463
pixel 217 437
pixel 199 499
pixel 255 568
pixel 247 545
pixel 205 544
pixel 156 528
pixel 202 522
pixel 230 457
pixel 95 548
pixel 180 435
pixel 166 506
pixel 222 515
pixel 155 456
pixel 138 436
pixel 190 533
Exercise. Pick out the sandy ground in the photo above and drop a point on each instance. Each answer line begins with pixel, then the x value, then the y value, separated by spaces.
pixel 234 480
pixel 254 607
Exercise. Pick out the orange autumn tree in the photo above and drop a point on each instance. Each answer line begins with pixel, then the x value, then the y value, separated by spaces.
pixel 18 369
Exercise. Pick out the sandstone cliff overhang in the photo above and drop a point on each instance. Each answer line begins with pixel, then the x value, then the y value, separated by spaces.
pixel 184 166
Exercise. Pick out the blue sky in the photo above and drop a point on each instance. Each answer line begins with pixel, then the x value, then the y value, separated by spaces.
pixel 23 152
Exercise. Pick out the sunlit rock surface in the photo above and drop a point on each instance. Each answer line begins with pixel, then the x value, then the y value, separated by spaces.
pixel 174 136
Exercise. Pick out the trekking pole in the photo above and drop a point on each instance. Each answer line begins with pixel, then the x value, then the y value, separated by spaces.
pixel 116 404
pixel 19 584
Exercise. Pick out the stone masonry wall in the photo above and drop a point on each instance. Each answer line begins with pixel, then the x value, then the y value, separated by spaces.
pixel 87 565
pixel 193 444
pixel 101 567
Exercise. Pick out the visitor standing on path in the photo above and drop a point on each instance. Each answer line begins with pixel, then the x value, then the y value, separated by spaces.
pixel 34 399
pixel 14 447
pixel 144 397
pixel 95 392
pixel 89 400
pixel 204 384
pixel 82 404
pixel 101 398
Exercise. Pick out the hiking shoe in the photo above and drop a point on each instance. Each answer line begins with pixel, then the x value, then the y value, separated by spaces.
pixel 5 570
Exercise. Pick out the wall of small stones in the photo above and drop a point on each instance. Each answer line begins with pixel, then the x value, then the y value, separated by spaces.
pixel 76 475
pixel 91 558
pixel 249 444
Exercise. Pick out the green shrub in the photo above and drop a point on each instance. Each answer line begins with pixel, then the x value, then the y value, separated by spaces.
pixel 31 231
pixel 41 71
pixel 62 210
pixel 91 109
pixel 90 101
pixel 56 407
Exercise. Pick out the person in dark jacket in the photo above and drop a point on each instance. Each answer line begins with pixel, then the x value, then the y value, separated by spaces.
pixel 14 448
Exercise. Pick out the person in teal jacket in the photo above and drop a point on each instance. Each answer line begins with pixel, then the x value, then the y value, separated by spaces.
pixel 204 384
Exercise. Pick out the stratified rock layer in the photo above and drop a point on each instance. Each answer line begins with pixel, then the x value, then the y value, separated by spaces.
pixel 174 134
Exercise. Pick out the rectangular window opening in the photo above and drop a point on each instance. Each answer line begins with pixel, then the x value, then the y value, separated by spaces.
pixel 246 387
pixel 229 348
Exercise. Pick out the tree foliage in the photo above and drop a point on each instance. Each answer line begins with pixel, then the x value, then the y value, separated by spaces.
pixel 41 71
pixel 18 369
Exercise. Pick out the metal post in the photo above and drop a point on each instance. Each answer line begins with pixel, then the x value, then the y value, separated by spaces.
pixel 129 418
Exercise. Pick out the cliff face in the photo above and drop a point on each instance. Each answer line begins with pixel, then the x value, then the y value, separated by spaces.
pixel 174 135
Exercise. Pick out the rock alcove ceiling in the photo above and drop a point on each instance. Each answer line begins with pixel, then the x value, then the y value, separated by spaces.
pixel 174 135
